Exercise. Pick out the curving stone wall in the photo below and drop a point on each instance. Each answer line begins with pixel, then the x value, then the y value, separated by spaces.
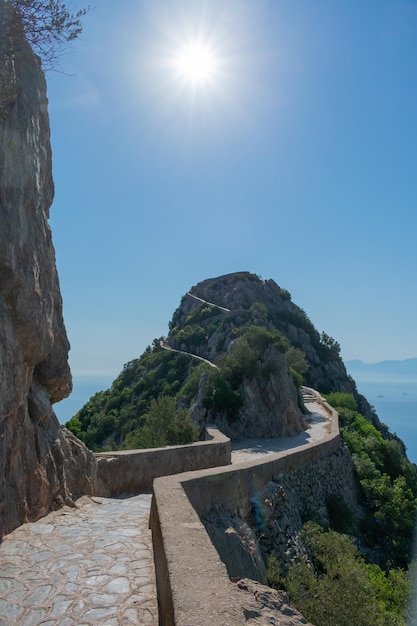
pixel 133 471
pixel 246 538
pixel 196 564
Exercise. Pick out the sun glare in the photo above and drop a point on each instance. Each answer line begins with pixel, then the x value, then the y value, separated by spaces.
pixel 196 63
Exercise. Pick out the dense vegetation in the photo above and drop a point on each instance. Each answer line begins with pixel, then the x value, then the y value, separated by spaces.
pixel 388 483
pixel 358 572
pixel 109 416
pixel 115 418
pixel 339 587
pixel 235 340
pixel 365 578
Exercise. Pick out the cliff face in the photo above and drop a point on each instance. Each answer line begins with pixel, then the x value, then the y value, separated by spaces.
pixel 41 465
pixel 258 344
pixel 263 302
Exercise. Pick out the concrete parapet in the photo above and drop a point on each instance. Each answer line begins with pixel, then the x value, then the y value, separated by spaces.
pixel 192 581
pixel 133 471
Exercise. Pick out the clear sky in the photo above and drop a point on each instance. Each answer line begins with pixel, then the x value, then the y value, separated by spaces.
pixel 293 156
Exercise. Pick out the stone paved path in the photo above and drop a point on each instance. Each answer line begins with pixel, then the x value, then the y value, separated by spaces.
pixel 319 425
pixel 76 567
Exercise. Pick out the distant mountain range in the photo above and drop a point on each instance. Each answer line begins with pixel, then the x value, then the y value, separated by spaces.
pixel 407 367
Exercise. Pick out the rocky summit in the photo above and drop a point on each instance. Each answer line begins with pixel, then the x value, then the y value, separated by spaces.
pixel 237 351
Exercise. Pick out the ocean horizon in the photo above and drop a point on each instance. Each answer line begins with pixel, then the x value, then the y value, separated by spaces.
pixel 84 387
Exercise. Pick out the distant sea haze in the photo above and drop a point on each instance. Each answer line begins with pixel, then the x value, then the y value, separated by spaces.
pixel 390 386
pixel 84 387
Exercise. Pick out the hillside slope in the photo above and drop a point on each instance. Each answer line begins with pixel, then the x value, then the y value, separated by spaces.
pixel 236 353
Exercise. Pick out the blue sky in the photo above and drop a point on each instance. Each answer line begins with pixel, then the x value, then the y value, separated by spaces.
pixel 297 162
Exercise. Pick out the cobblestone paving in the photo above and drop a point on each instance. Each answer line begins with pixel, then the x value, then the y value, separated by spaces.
pixel 76 567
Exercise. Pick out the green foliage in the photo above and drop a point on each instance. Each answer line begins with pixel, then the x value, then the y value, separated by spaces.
pixel 389 483
pixel 163 425
pixel 189 391
pixel 258 307
pixel 296 377
pixel 341 517
pixel 47 25
pixel 296 359
pixel 222 397
pixel 338 588
pixel 110 415
pixel 330 343
pixel 75 426
pixel 285 294
pixel 192 336
pixel 341 400
pixel 201 313
pixel 243 360
pixel 273 573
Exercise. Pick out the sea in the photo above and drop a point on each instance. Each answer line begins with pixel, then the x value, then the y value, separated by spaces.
pixel 394 398
pixel 395 401
pixel 84 387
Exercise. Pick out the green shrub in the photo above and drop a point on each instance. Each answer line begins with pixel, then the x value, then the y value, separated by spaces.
pixel 338 399
pixel 341 517
pixel 296 359
pixel 296 377
pixel 163 425
pixel 339 589
pixel 222 397
pixel 389 482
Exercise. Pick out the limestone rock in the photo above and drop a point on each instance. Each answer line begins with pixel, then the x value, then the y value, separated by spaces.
pixel 252 300
pixel 41 464
pixel 270 403
pixel 265 605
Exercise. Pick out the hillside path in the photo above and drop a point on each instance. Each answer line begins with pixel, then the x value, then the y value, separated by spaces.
pixel 76 567
pixel 319 424
pixel 222 308
pixel 94 564
pixel 165 346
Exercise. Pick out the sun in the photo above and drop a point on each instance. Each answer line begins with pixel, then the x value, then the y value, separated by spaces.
pixel 196 63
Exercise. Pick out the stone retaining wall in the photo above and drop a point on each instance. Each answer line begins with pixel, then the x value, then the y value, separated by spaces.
pixel 133 471
pixel 192 580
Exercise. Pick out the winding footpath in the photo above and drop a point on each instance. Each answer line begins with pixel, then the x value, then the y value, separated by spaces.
pixel 165 346
pixel 94 564
pixel 319 425
pixel 222 308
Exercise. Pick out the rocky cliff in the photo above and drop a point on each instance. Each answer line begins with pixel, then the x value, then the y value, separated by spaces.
pixel 236 352
pixel 41 464
pixel 245 298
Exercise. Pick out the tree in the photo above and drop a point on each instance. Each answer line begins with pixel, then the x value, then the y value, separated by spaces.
pixel 330 343
pixel 164 425
pixel 337 587
pixel 48 26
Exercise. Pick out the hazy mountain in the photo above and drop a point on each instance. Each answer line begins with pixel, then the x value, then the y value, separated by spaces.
pixel 406 367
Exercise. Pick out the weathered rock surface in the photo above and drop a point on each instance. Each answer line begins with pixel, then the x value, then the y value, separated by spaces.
pixel 268 606
pixel 262 302
pixel 41 464
pixel 251 300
